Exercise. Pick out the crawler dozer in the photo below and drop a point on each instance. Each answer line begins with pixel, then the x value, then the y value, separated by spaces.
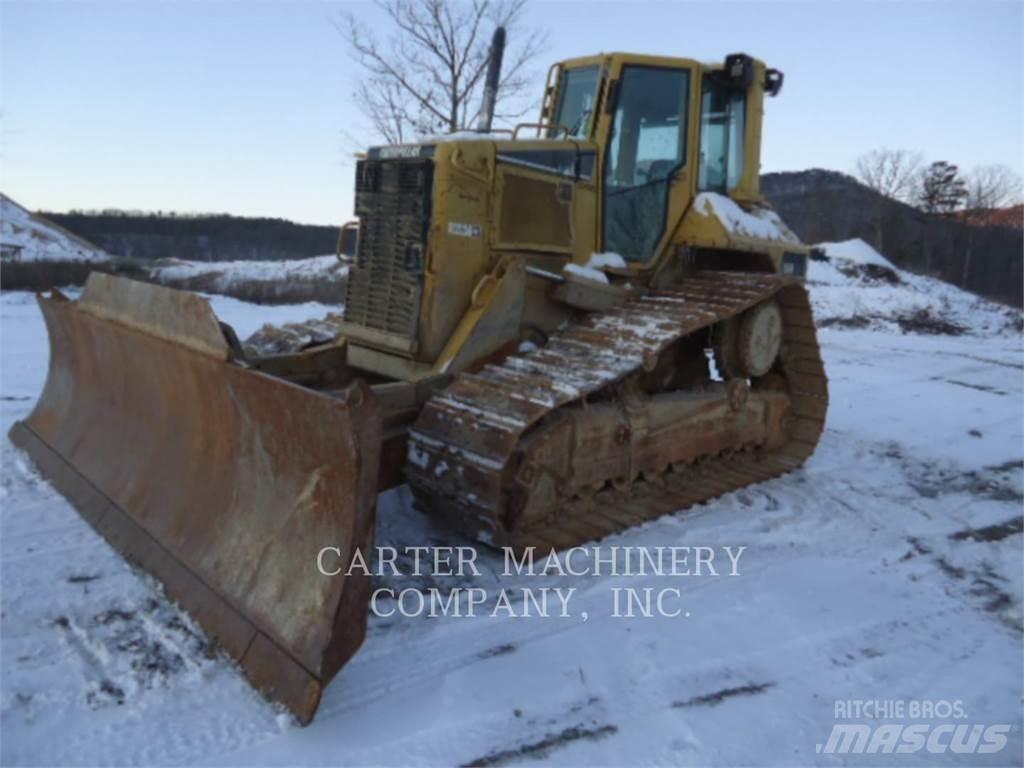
pixel 550 338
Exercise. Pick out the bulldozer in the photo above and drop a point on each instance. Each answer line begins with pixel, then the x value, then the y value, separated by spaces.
pixel 551 334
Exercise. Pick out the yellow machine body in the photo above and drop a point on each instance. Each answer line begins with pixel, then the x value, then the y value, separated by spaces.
pixel 502 206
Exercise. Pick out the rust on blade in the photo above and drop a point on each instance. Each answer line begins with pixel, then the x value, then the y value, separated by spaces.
pixel 222 482
pixel 168 314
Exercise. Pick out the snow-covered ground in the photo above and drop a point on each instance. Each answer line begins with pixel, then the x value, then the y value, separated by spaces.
pixel 33 238
pixel 887 568
pixel 859 288
pixel 316 267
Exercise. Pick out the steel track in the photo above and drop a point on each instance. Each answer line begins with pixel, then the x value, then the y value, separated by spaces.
pixel 463 447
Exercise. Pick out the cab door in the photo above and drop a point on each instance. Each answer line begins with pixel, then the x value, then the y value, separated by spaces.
pixel 646 184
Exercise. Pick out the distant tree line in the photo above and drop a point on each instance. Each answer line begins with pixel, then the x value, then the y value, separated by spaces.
pixel 940 190
pixel 980 249
pixel 197 237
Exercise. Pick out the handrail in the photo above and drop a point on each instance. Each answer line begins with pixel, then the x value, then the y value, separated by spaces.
pixel 563 129
pixel 354 224
pixel 547 102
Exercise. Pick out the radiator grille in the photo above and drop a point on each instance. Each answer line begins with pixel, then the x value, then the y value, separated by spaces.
pixel 393 205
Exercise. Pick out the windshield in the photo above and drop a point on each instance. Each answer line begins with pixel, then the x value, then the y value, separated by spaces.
pixel 577 93
pixel 648 146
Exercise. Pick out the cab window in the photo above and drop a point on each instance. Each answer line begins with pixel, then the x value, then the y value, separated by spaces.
pixel 577 94
pixel 647 147
pixel 721 136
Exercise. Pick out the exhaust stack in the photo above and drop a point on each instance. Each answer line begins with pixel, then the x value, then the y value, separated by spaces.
pixel 493 78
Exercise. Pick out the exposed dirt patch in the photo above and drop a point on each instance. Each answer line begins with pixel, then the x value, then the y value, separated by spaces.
pixel 104 694
pixel 926 322
pixel 498 650
pixel 860 321
pixel 996 483
pixel 545 746
pixel 713 699
pixel 983 580
pixel 125 650
pixel 869 273
pixel 853 657
pixel 115 614
pixel 82 578
pixel 997 601
pixel 970 385
pixel 949 569
pixel 1008 466
pixel 923 321
pixel 996 532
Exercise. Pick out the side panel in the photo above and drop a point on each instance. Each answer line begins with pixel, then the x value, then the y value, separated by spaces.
pixel 546 197
pixel 458 257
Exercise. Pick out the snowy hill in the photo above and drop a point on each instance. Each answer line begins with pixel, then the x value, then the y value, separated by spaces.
pixel 857 287
pixel 315 267
pixel 25 236
pixel 290 281
pixel 821 205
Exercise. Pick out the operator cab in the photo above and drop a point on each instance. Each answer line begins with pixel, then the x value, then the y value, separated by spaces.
pixel 666 129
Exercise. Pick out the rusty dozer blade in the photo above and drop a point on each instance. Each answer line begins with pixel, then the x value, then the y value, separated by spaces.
pixel 222 482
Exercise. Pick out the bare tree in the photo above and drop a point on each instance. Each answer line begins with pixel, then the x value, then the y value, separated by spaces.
pixel 990 187
pixel 893 174
pixel 890 172
pixel 426 74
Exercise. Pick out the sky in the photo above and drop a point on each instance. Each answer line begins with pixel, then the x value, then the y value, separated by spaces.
pixel 246 108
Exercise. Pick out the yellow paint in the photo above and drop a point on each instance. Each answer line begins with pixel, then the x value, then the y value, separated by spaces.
pixel 491 218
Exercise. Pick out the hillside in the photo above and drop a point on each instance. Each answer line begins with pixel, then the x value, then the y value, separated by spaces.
pixel 996 217
pixel 821 205
pixel 28 237
pixel 855 287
